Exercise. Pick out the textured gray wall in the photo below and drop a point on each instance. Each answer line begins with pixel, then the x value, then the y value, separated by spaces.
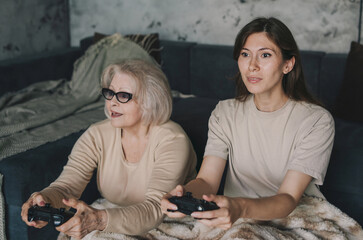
pixel 326 25
pixel 32 26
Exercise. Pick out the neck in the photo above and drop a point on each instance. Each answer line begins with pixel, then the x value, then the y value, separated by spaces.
pixel 270 103
pixel 139 132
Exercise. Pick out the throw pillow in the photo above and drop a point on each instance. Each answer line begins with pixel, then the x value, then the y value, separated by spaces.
pixel 349 104
pixel 149 42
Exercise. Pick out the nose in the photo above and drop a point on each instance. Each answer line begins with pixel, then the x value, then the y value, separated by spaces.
pixel 114 101
pixel 253 65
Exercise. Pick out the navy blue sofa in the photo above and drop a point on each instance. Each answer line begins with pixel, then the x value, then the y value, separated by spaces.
pixel 199 69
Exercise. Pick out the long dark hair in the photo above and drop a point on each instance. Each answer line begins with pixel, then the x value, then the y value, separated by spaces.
pixel 293 83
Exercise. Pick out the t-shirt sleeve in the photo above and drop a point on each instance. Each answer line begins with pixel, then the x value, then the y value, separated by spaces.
pixel 217 143
pixel 175 162
pixel 312 152
pixel 77 173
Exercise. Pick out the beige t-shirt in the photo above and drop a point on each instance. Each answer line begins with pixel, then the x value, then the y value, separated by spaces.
pixel 262 146
pixel 168 160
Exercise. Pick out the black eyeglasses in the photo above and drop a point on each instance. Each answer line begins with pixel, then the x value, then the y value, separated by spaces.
pixel 122 97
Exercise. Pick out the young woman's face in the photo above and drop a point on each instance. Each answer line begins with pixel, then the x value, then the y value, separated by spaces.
pixel 124 115
pixel 262 66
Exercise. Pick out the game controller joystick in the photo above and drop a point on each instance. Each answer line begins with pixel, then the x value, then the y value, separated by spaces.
pixel 49 214
pixel 187 204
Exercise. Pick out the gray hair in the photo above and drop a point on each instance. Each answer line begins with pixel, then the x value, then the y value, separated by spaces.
pixel 152 88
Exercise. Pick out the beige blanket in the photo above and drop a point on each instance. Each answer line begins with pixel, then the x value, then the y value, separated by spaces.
pixel 314 218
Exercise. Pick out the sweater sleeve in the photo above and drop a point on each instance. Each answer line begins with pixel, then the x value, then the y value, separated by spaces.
pixel 77 173
pixel 174 162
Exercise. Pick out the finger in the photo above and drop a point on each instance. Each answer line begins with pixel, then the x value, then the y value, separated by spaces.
pixel 38 199
pixel 211 214
pixel 72 225
pixel 179 191
pixel 74 203
pixel 215 222
pixel 29 203
pixel 221 201
pixel 165 205
pixel 38 224
pixel 211 197
pixel 175 214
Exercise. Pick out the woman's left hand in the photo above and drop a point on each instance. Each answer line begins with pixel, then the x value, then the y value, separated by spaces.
pixel 222 218
pixel 86 220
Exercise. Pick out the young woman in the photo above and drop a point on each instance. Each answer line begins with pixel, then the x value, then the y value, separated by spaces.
pixel 138 152
pixel 277 138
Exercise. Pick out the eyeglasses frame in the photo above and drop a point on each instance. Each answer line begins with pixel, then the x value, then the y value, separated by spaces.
pixel 115 94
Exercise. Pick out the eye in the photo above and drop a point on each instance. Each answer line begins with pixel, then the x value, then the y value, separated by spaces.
pixel 244 54
pixel 107 93
pixel 124 97
pixel 265 55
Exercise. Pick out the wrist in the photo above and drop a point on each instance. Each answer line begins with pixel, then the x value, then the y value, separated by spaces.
pixel 102 220
pixel 241 207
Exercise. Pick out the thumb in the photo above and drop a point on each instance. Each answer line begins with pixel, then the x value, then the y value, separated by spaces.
pixel 179 190
pixel 38 200
pixel 211 197
pixel 71 202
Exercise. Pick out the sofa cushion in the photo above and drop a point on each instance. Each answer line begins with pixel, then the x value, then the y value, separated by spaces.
pixel 311 64
pixel 193 115
pixel 331 77
pixel 349 104
pixel 176 64
pixel 212 71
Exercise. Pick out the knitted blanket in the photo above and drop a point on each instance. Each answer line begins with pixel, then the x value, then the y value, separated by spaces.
pixel 49 110
pixel 314 218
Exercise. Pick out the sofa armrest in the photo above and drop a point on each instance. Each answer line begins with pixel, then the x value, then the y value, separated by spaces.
pixel 31 171
pixel 19 73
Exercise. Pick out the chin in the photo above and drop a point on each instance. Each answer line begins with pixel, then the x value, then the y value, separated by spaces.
pixel 116 124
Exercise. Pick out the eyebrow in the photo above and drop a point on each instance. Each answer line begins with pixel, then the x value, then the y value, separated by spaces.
pixel 261 49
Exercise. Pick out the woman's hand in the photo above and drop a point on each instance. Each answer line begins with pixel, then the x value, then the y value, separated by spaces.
pixel 165 204
pixel 34 199
pixel 222 218
pixel 86 220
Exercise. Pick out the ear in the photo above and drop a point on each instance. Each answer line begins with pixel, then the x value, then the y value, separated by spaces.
pixel 289 65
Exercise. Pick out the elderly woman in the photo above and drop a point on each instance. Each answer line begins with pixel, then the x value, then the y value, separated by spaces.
pixel 139 154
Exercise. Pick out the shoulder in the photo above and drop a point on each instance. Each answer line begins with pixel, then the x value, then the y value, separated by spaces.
pixel 313 111
pixel 228 105
pixel 100 129
pixel 311 115
pixel 170 129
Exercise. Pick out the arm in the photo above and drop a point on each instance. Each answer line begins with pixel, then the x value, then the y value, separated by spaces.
pixel 77 173
pixel 266 208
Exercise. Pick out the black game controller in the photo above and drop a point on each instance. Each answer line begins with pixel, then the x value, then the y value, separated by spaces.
pixel 187 204
pixel 49 214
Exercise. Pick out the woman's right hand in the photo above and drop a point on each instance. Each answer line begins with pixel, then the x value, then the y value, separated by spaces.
pixel 165 204
pixel 34 199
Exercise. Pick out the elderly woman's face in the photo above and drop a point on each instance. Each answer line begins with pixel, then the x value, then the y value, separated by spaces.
pixel 124 115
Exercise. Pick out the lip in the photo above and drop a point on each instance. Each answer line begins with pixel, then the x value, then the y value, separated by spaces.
pixel 115 114
pixel 254 79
